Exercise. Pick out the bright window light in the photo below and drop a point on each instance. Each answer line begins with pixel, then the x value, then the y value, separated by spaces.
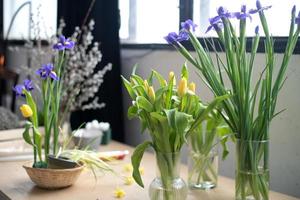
pixel 144 21
pixel 44 15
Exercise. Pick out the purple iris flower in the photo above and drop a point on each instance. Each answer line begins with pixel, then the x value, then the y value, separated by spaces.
pixel 63 43
pixel 174 38
pixel 244 13
pixel 222 13
pixel 216 22
pixel 188 24
pixel 28 84
pixel 47 71
pixel 297 19
pixel 18 89
pixel 171 38
pixel 217 26
pixel 259 8
pixel 257 30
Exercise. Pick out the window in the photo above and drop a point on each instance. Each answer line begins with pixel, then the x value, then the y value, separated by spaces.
pixel 44 15
pixel 144 21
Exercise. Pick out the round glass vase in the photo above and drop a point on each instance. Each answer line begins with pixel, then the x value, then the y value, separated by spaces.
pixel 168 185
pixel 252 170
pixel 203 167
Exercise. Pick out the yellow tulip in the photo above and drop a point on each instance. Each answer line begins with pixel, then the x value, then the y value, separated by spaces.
pixel 182 87
pixel 146 85
pixel 192 87
pixel 26 110
pixel 119 193
pixel 172 76
pixel 151 93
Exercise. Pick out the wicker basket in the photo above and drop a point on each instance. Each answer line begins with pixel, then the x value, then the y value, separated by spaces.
pixel 53 178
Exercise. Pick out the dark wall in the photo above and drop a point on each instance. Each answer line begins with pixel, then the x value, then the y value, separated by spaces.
pixel 106 16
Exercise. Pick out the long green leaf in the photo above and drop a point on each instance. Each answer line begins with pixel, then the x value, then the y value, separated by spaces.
pixel 129 88
pixel 26 134
pixel 143 103
pixel 136 161
pixel 33 107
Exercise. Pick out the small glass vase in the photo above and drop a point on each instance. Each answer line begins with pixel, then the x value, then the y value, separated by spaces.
pixel 203 168
pixel 168 185
pixel 252 170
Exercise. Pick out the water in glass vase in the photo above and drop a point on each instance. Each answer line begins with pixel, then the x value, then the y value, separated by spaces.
pixel 203 158
pixel 252 170
pixel 168 185
pixel 203 170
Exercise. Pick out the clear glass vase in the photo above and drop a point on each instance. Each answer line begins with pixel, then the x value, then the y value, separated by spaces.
pixel 252 170
pixel 203 169
pixel 168 185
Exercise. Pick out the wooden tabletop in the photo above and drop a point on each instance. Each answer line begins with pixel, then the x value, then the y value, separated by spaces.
pixel 16 185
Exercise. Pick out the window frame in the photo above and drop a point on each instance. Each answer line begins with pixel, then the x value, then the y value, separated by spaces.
pixel 186 12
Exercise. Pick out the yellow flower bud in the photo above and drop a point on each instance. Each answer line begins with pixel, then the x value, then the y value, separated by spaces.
pixel 182 87
pixel 172 76
pixel 192 87
pixel 129 180
pixel 151 93
pixel 26 110
pixel 165 83
pixel 119 193
pixel 146 85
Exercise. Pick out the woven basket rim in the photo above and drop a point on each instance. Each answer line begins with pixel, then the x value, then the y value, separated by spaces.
pixel 28 165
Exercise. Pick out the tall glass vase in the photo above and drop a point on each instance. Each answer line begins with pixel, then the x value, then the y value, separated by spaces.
pixel 252 170
pixel 168 185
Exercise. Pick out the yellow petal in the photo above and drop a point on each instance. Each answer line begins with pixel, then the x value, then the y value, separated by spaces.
pixel 151 93
pixel 182 87
pixel 129 180
pixel 128 168
pixel 119 193
pixel 172 76
pixel 146 85
pixel 26 110
pixel 192 87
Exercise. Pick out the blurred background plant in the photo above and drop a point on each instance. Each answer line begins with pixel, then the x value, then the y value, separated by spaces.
pixel 81 80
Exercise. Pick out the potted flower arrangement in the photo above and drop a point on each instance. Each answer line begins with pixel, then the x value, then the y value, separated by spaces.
pixel 170 114
pixel 250 109
pixel 52 167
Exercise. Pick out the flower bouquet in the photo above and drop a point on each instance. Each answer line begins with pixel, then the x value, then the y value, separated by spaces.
pixel 41 171
pixel 170 114
pixel 250 110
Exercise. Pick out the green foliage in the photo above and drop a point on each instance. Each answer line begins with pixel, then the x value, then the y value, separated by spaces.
pixel 253 104
pixel 36 139
pixel 168 116
pixel 136 160
pixel 250 110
